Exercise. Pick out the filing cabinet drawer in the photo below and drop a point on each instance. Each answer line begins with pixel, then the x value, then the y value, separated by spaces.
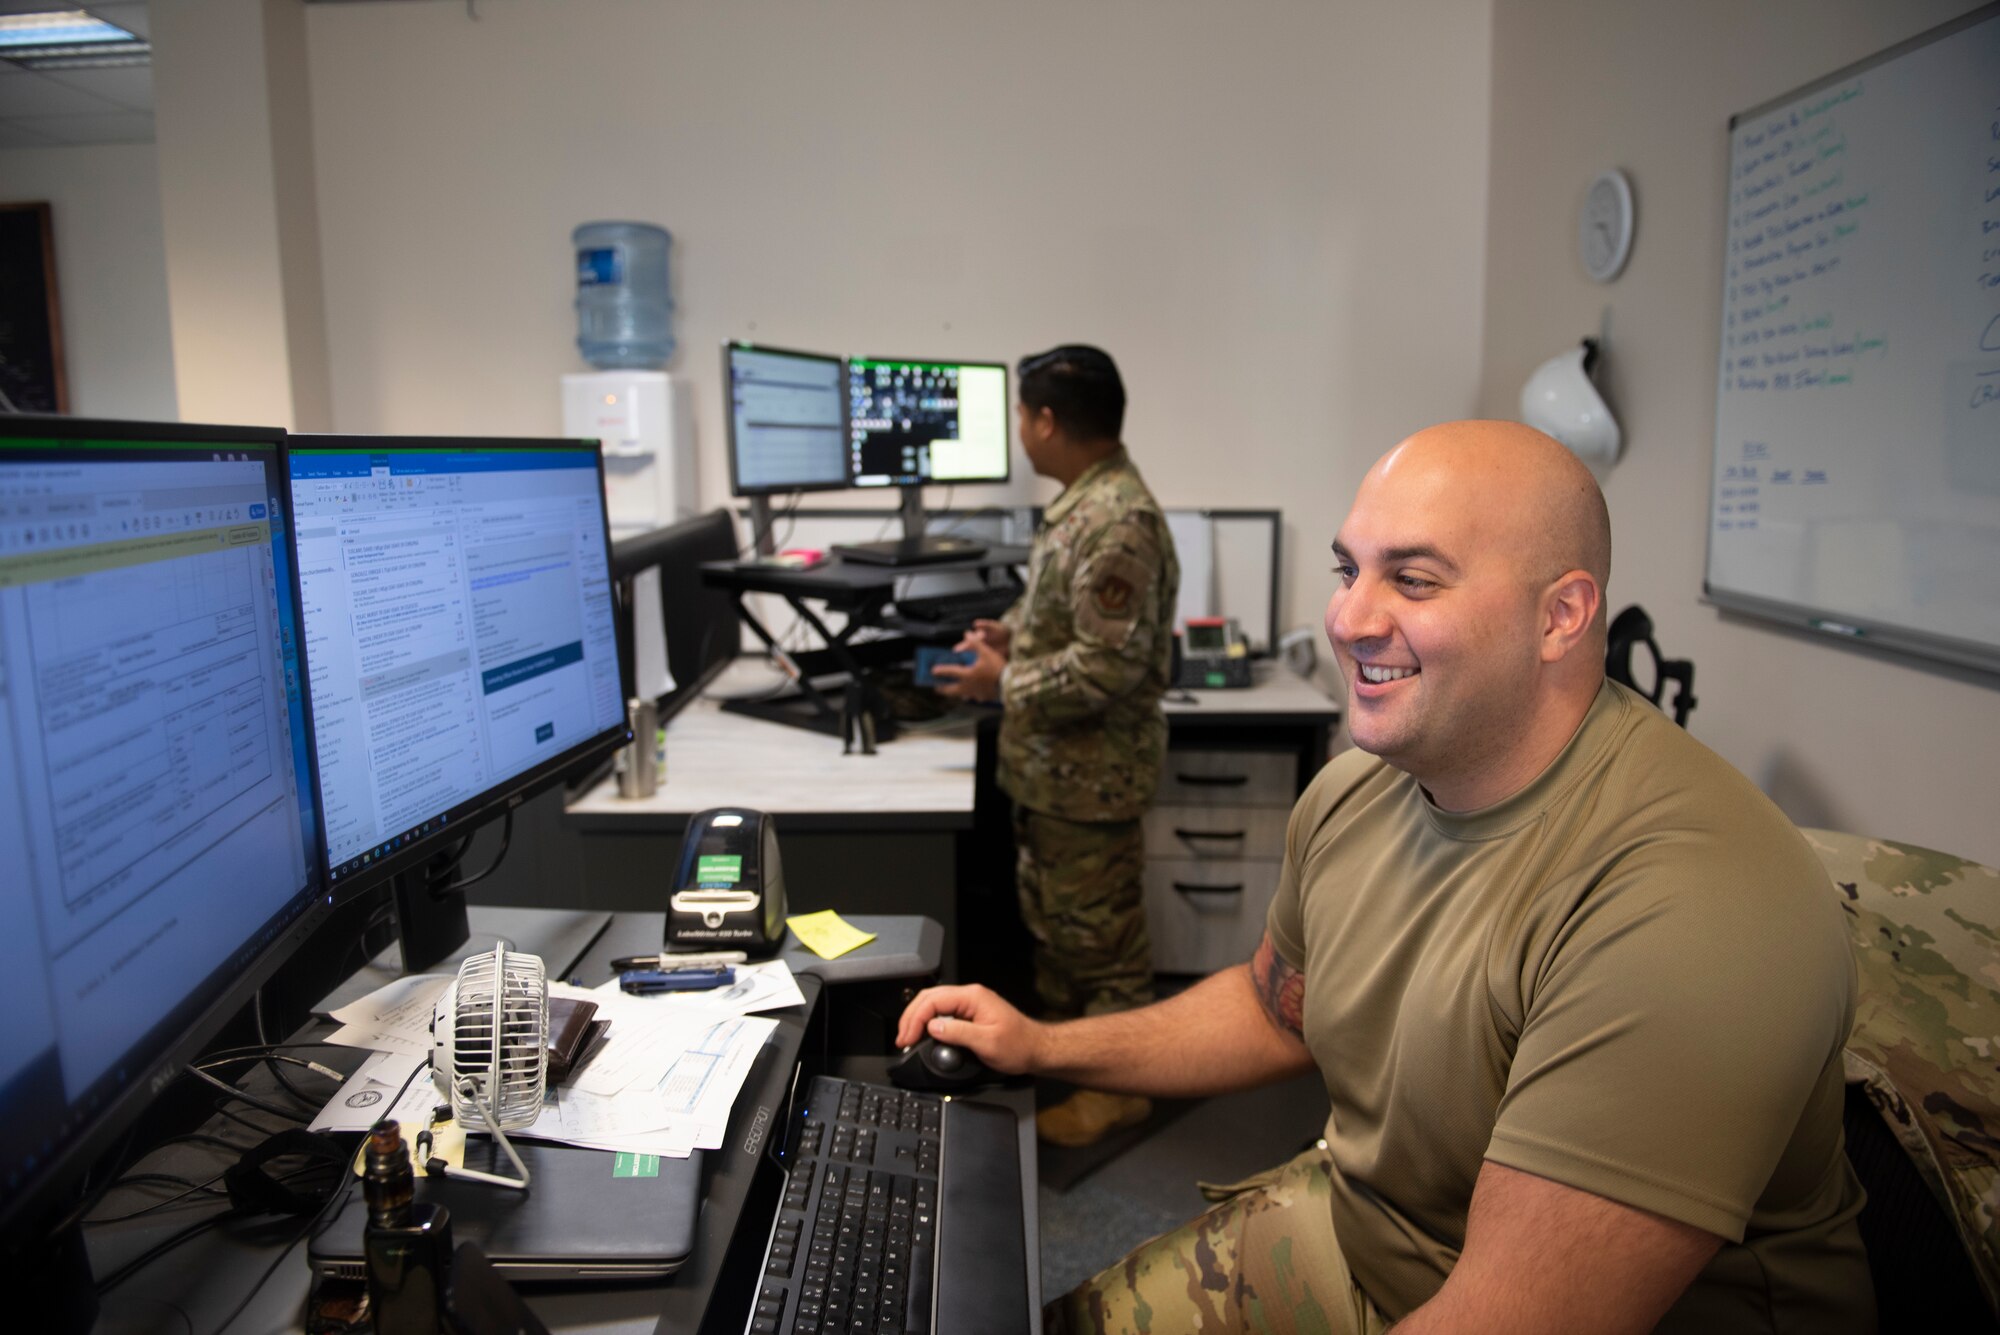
pixel 1229 778
pixel 1205 916
pixel 1216 833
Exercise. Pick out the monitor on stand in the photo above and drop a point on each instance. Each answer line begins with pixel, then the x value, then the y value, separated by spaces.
pixel 910 423
pixel 787 427
pixel 463 646
pixel 157 804
pixel 698 622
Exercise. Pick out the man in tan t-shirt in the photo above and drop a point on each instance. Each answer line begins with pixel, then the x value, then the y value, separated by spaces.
pixel 1577 991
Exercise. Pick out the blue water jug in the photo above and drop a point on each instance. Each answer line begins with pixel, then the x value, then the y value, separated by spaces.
pixel 624 315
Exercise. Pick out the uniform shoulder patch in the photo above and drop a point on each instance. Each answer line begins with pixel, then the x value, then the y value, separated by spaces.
pixel 1113 594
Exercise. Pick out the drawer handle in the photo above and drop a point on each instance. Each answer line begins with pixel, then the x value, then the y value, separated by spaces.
pixel 1213 780
pixel 1210 898
pixel 1191 835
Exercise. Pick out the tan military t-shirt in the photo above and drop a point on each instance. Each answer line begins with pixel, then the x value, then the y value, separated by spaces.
pixel 1630 978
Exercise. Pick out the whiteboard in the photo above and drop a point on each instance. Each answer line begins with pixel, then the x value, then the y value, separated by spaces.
pixel 1856 479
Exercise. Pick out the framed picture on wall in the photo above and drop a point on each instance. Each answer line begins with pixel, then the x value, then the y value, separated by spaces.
pixel 31 354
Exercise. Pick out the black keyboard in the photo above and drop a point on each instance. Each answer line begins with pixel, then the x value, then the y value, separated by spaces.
pixel 902 1213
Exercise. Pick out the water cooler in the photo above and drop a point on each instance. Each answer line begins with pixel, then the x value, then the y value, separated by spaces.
pixel 644 416
pixel 646 421
pixel 624 328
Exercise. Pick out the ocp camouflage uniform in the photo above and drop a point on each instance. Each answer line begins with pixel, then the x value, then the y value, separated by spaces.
pixel 1083 741
pixel 1264 1260
pixel 1926 1043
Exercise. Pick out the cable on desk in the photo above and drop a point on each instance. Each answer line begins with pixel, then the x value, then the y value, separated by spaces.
pixel 259 1049
pixel 245 1095
pixel 276 1261
pixel 270 1059
pixel 153 1253
pixel 338 1194
pixel 192 1138
pixel 88 1198
pixel 207 1188
pixel 222 1109
pixel 211 1063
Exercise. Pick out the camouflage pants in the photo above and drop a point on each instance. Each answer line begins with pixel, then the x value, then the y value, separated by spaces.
pixel 1264 1261
pixel 1081 899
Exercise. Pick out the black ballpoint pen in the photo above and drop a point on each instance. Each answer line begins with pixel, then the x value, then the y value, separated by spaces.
pixel 668 963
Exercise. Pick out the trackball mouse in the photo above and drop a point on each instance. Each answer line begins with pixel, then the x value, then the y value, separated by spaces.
pixel 933 1065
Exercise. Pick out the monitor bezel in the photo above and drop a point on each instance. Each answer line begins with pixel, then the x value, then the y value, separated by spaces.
pixel 466 817
pixel 1006 379
pixel 737 487
pixel 177 1037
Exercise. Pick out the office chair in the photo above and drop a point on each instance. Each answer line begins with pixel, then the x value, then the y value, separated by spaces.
pixel 1630 629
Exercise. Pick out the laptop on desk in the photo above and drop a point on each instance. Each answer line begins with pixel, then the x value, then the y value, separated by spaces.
pixel 926 550
pixel 584 1215
pixel 951 1184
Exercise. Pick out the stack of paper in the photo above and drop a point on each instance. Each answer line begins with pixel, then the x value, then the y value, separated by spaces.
pixel 396 1018
pixel 662 1081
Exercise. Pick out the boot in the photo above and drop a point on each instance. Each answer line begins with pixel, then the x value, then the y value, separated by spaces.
pixel 1086 1117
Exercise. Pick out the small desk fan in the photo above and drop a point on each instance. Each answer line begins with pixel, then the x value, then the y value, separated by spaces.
pixel 489 1049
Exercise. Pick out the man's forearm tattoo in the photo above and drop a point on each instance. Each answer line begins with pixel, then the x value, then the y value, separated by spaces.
pixel 1281 989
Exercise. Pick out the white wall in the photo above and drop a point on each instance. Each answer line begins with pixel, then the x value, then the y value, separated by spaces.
pixel 1838 739
pixel 237 199
pixel 111 275
pixel 1271 213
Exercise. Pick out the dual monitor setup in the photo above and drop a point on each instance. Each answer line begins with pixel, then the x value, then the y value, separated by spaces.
pixel 245 681
pixel 804 421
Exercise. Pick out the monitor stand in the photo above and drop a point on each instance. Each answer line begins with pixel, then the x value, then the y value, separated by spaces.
pixel 430 920
pixel 915 547
pixel 761 523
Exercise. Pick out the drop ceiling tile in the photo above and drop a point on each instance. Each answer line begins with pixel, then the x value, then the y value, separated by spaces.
pixel 19 134
pixel 121 127
pixel 27 93
pixel 128 87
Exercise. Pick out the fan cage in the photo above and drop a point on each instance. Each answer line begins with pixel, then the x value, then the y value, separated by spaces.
pixel 500 1040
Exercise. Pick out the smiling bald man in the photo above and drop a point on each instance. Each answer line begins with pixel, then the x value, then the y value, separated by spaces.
pixel 1576 989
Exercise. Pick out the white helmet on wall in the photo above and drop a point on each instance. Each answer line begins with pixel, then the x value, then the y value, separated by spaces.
pixel 1560 399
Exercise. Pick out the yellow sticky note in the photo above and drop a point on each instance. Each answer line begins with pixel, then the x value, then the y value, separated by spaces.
pixel 827 934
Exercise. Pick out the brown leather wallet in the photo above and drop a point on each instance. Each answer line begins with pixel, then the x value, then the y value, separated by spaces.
pixel 572 1029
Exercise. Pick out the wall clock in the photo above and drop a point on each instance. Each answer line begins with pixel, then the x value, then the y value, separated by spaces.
pixel 1604 226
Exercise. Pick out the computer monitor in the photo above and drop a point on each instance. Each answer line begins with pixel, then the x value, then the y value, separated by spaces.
pixel 787 420
pixel 914 422
pixel 463 646
pixel 157 805
pixel 697 621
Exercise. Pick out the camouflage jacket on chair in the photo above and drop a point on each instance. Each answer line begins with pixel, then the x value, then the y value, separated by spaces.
pixel 1926 1042
pixel 1083 738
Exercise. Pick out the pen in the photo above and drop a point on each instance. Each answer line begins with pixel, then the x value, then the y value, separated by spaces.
pixel 666 963
pixel 642 981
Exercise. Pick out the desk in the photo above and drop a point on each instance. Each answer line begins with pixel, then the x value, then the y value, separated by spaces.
pixel 208 1276
pixel 1237 760
pixel 860 591
pixel 861 834
pixel 845 586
